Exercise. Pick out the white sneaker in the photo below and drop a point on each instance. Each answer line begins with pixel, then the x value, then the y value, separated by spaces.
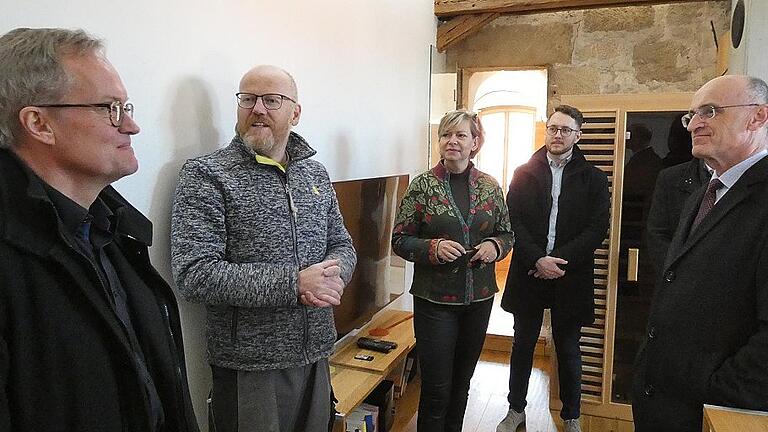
pixel 511 421
pixel 572 425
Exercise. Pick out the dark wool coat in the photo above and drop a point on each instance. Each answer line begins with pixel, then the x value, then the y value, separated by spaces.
pixel 582 223
pixel 65 361
pixel 673 186
pixel 707 335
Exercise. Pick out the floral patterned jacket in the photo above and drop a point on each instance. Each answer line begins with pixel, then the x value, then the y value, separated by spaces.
pixel 428 213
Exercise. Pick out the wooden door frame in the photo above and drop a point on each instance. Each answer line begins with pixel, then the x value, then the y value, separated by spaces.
pixel 622 104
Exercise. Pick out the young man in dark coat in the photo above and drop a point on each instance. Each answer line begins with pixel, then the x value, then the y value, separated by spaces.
pixel 89 331
pixel 559 206
pixel 707 334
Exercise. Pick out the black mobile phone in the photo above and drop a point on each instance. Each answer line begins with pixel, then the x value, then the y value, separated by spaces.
pixel 463 261
pixel 365 357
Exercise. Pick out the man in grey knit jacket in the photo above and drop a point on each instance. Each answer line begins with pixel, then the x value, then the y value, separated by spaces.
pixel 258 238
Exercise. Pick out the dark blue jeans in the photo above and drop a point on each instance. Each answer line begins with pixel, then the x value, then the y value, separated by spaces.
pixel 449 340
pixel 566 335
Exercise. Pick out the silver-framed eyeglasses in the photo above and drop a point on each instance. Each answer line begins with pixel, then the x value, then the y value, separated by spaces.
pixel 564 131
pixel 708 112
pixel 117 110
pixel 271 101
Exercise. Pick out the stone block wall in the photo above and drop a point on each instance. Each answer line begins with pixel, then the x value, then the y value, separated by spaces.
pixel 637 49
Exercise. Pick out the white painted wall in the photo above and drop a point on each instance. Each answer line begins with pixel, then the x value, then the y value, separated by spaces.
pixel 362 67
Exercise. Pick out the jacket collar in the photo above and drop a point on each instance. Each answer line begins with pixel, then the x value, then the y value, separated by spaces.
pixel 538 165
pixel 442 173
pixel 29 220
pixel 684 240
pixel 297 147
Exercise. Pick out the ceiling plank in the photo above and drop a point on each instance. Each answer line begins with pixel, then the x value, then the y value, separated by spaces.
pixel 449 8
pixel 452 32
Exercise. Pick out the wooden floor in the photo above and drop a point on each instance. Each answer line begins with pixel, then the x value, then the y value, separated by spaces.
pixel 488 398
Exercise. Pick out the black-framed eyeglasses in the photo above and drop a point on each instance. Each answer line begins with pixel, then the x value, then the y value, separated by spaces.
pixel 271 101
pixel 708 112
pixel 117 110
pixel 564 131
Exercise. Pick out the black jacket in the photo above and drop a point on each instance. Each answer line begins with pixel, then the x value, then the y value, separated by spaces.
pixel 673 186
pixel 582 223
pixel 707 340
pixel 65 362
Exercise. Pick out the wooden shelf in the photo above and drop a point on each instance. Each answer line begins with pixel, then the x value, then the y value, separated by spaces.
pixel 353 380
pixel 382 363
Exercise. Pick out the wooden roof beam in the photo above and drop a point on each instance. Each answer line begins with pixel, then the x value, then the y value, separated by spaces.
pixel 460 27
pixel 449 8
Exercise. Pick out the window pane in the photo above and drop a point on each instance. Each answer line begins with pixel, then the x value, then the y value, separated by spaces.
pixel 522 128
pixel 491 157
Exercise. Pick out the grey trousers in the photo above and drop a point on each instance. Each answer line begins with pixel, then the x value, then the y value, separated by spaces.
pixel 284 400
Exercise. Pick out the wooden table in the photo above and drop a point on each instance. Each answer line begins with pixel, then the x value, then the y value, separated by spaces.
pixel 723 419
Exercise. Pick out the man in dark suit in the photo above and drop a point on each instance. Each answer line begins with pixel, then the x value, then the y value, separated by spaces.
pixel 673 186
pixel 558 204
pixel 707 338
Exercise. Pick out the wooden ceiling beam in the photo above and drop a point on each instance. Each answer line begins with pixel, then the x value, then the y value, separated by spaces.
pixel 460 27
pixel 449 8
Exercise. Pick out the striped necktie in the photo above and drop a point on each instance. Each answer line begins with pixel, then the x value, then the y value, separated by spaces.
pixel 707 202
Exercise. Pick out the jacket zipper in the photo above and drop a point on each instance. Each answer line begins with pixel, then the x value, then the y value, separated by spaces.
pixel 294 221
pixel 177 367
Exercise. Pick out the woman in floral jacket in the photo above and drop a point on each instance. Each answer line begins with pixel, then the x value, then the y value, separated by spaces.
pixel 454 225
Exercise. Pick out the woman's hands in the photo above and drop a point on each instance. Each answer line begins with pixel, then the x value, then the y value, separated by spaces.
pixel 449 251
pixel 486 252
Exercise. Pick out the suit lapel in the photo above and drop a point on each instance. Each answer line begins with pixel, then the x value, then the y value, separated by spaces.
pixel 684 240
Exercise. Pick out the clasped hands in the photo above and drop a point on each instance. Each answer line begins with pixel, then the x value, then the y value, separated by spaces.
pixel 320 284
pixel 547 268
pixel 449 251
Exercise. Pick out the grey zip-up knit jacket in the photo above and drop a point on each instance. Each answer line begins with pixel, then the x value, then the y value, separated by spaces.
pixel 240 233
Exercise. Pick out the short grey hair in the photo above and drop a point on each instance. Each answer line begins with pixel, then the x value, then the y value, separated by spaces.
pixel 31 71
pixel 757 89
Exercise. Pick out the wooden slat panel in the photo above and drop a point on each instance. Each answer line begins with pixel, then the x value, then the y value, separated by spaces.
pixel 593 369
pixel 593 331
pixel 591 379
pixel 586 135
pixel 592 350
pixel 591 387
pixel 604 158
pixel 595 147
pixel 591 340
pixel 598 114
pixel 589 125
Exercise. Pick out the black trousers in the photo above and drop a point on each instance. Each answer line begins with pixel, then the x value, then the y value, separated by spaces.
pixel 449 340
pixel 566 334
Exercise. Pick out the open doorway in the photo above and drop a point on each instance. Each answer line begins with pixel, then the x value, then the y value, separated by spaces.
pixel 512 107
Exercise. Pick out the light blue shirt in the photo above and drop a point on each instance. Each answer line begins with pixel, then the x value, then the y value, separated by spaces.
pixel 556 165
pixel 730 177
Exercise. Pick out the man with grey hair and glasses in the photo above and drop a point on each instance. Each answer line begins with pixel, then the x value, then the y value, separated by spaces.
pixel 707 332
pixel 89 331
pixel 258 238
